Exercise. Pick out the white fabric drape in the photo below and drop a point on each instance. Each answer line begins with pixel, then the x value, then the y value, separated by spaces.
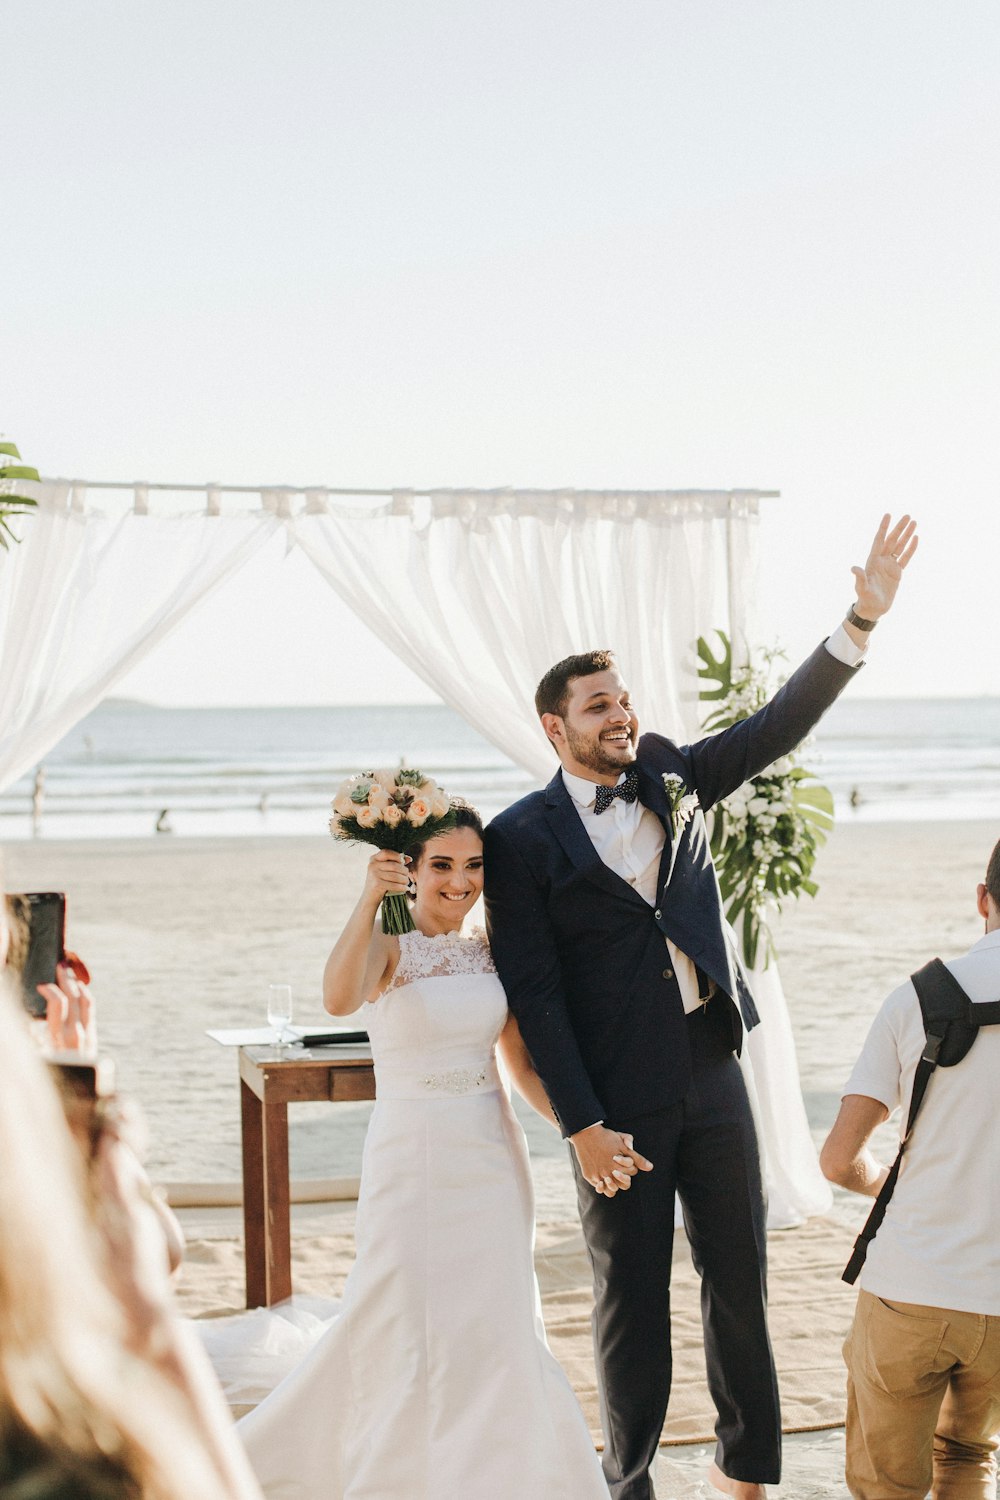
pixel 480 592
pixel 796 1188
pixel 88 593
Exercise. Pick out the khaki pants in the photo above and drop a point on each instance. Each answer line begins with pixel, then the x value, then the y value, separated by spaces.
pixel 923 1402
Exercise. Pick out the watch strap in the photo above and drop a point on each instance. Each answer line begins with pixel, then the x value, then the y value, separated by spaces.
pixel 859 623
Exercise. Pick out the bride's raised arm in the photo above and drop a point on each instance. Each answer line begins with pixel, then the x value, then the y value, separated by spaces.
pixel 364 957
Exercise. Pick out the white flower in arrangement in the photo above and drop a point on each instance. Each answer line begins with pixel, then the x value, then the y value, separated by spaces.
pixel 343 803
pixel 765 835
pixel 378 797
pixel 392 815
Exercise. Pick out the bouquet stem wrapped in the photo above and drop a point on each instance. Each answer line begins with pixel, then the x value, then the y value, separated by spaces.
pixel 392 810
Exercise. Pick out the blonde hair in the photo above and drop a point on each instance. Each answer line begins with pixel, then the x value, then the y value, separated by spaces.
pixel 83 1413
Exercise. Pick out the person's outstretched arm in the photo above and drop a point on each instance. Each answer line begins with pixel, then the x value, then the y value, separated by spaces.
pixel 722 762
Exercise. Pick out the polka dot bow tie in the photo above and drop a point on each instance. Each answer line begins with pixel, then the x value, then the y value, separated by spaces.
pixel 627 790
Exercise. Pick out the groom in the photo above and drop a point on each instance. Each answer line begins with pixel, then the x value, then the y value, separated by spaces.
pixel 609 936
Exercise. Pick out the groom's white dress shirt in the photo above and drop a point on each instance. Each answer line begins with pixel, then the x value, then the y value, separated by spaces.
pixel 629 838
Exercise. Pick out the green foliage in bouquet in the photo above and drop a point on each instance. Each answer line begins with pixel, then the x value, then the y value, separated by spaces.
pixel 11 503
pixel 393 810
pixel 766 835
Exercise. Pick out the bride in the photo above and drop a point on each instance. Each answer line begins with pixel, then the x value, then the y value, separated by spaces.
pixel 435 1380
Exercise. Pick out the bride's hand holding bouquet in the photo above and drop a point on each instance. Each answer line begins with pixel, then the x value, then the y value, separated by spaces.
pixel 394 810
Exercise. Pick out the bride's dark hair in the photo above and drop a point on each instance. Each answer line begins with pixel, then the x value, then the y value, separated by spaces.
pixel 466 816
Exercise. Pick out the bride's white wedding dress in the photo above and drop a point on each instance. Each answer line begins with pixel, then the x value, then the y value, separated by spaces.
pixel 435 1379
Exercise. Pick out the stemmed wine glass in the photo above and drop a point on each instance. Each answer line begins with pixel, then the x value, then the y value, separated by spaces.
pixel 279 1010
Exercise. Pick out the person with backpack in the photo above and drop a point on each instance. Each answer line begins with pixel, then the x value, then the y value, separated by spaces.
pixel 923 1353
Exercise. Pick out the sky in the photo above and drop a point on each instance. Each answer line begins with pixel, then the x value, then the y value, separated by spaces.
pixel 659 244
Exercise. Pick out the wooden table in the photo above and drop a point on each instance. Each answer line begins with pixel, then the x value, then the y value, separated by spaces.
pixel 271 1078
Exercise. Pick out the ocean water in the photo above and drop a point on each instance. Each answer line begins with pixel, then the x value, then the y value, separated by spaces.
pixel 236 771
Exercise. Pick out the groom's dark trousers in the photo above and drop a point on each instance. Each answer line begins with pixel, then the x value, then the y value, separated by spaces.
pixel 583 959
pixel 705 1147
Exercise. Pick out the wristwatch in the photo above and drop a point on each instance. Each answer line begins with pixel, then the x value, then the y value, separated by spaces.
pixel 855 619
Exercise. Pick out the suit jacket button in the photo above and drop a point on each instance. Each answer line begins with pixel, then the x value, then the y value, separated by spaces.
pixel 668 973
pixel 657 915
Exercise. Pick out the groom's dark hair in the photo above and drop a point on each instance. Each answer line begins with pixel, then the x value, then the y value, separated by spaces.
pixel 552 693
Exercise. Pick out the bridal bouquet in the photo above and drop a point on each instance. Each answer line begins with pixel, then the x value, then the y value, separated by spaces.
pixel 766 834
pixel 392 810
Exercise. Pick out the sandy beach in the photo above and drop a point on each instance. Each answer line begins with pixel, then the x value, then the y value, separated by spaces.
pixel 185 934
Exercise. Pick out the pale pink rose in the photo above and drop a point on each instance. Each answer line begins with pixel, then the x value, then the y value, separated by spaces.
pixel 342 804
pixel 368 816
pixel 378 797
pixel 392 815
pixel 439 803
pixel 418 811
pixel 385 779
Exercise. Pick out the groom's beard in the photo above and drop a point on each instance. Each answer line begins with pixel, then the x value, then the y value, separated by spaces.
pixel 592 754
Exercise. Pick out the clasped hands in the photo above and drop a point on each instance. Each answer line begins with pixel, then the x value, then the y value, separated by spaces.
pixel 608 1159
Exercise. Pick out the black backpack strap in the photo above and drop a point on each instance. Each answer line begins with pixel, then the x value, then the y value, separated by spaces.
pixel 925 1067
pixel 941 1000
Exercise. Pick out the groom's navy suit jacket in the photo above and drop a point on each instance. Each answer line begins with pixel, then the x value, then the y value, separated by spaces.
pixel 583 957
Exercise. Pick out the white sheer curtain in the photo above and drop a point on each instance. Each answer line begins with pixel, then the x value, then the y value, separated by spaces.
pixel 796 1188
pixel 89 591
pixel 480 592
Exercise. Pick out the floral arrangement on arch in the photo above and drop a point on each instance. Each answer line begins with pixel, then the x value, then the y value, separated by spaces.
pixel 392 810
pixel 765 835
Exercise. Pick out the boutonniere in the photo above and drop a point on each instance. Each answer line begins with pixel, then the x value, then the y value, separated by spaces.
pixel 683 805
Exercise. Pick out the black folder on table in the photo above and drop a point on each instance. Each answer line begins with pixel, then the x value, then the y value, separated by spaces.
pixel 330 1038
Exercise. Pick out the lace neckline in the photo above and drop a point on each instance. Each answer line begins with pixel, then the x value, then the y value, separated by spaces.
pixel 474 934
pixel 441 954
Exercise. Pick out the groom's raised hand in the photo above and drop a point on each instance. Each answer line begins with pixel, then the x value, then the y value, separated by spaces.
pixel 608 1159
pixel 876 583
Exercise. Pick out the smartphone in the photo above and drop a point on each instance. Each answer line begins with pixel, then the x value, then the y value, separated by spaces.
pixel 38 942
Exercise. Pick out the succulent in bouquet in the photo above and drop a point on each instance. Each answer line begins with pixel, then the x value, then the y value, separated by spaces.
pixel 392 810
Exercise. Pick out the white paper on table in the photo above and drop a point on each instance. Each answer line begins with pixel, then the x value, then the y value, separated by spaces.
pixel 267 1036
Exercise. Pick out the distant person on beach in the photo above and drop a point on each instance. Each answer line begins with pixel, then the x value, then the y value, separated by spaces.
pixel 923 1354
pixel 38 801
pixel 609 936
pixel 163 823
pixel 435 1379
pixel 103 1393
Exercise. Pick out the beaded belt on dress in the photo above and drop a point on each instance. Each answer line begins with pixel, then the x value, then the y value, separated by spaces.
pixel 399 1083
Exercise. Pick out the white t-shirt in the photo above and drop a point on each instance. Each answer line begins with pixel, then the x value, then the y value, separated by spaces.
pixel 939 1243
